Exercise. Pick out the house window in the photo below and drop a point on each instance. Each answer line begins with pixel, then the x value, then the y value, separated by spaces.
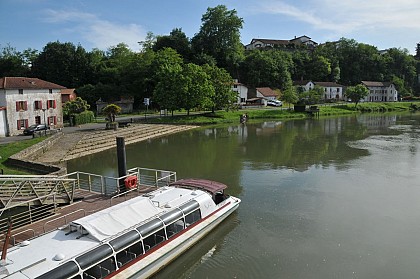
pixel 52 120
pixel 21 105
pixel 235 86
pixel 338 89
pixel 51 104
pixel 20 91
pixel 38 105
pixel 50 90
pixel 22 124
pixel 37 120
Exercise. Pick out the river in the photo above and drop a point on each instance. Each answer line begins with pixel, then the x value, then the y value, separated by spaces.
pixel 328 198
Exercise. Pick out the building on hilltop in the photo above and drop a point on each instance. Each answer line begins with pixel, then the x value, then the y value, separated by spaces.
pixel 26 101
pixel 296 43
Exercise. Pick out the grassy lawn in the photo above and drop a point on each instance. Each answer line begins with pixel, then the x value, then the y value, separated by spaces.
pixel 7 150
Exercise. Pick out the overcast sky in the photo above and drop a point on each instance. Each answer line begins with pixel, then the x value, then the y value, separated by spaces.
pixel 104 23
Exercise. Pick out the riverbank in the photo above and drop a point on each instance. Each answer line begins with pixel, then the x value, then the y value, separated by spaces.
pixel 220 117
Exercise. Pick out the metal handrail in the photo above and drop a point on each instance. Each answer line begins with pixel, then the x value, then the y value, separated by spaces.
pixel 28 230
pixel 65 217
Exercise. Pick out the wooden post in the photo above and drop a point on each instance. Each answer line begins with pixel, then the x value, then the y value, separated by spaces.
pixel 122 163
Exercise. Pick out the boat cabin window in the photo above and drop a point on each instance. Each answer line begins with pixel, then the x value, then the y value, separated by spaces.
pixel 124 240
pixel 100 270
pixel 219 197
pixel 154 239
pixel 192 217
pixel 129 254
pixel 175 227
pixel 153 233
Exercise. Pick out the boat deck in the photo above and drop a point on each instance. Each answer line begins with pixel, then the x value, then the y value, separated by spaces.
pixel 89 203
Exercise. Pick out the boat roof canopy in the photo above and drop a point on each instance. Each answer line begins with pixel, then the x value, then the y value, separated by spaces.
pixel 202 184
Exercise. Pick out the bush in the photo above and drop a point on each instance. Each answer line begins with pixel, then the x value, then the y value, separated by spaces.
pixel 84 117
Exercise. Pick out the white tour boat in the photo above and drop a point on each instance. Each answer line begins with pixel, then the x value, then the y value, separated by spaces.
pixel 133 239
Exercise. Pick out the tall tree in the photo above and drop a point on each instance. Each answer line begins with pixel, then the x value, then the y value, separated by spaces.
pixel 197 90
pixel 224 97
pixel 62 63
pixel 219 36
pixel 14 63
pixel 176 40
pixel 267 68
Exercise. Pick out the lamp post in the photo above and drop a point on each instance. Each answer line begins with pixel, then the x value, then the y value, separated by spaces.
pixel 45 122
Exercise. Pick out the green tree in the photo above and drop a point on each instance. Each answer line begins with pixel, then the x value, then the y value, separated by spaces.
pixel 76 106
pixel 290 95
pixel 167 68
pixel 14 63
pixel 219 37
pixel 270 68
pixel 197 90
pixel 224 97
pixel 356 93
pixel 62 63
pixel 176 40
pixel 111 111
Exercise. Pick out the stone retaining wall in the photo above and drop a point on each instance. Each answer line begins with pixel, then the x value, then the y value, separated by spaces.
pixel 26 159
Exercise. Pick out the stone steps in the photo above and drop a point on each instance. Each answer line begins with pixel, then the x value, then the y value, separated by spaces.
pixel 103 140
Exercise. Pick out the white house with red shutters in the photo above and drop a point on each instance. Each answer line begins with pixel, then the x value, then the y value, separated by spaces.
pixel 27 101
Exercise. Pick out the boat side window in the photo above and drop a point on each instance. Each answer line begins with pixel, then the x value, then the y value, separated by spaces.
pixel 129 254
pixel 192 217
pixel 100 270
pixel 175 227
pixel 154 239
pixel 219 197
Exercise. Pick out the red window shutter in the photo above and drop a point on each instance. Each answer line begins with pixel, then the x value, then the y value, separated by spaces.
pixel 54 104
pixel 17 106
pixel 55 120
pixel 26 123
pixel 26 105
pixel 48 104
pixel 18 124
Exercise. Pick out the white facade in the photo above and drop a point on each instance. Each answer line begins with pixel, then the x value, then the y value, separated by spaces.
pixel 3 122
pixel 332 90
pixel 241 90
pixel 380 92
pixel 28 106
pixel 305 85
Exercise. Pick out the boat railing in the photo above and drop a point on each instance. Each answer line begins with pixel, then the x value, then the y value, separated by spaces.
pixel 111 186
pixel 13 237
pixel 66 220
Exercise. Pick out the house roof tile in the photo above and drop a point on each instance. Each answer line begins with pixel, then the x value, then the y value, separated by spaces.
pixel 266 91
pixel 376 83
pixel 27 83
pixel 327 84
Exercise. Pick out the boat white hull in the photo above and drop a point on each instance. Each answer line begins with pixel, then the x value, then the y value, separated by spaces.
pixel 157 260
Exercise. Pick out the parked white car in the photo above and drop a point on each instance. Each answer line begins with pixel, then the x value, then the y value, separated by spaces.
pixel 274 103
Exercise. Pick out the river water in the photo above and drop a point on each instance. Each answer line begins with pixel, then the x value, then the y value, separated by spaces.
pixel 328 198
